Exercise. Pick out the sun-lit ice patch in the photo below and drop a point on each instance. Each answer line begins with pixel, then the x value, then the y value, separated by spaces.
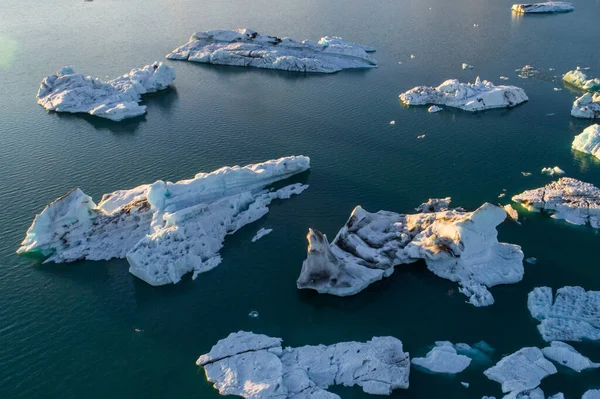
pixel 588 141
pixel 552 171
pixel 545 7
pixel 587 106
pixel 581 80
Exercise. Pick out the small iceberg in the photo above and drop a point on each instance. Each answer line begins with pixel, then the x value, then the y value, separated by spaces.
pixel 546 7
pixel 116 99
pixel 472 97
pixel 553 171
pixel 434 108
pixel 588 141
pixel 456 245
pixel 573 315
pixel 567 199
pixel 245 47
pixel 256 366
pixel 567 356
pixel 591 394
pixel 581 81
pixel 443 358
pixel 164 229
pixel 587 106
pixel 511 212
pixel 261 233
pixel 466 66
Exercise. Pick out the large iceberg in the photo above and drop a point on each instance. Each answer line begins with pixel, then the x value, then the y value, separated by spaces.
pixel 456 245
pixel 116 99
pixel 521 371
pixel 573 315
pixel 587 106
pixel 591 394
pixel 164 229
pixel 245 47
pixel 443 358
pixel 477 96
pixel 547 7
pixel 256 366
pixel 569 199
pixel 581 80
pixel 567 356
pixel 588 141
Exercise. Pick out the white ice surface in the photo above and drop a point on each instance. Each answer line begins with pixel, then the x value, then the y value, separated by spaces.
pixel 443 358
pixel 587 106
pixel 591 394
pixel 588 141
pixel 261 233
pixel 545 7
pixel 580 80
pixel 567 356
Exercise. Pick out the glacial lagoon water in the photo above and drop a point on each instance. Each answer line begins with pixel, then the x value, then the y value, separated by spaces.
pixel 69 330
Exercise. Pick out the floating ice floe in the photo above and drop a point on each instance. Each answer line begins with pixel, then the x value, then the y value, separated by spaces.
pixel 531 260
pixel 434 108
pixel 503 77
pixel 261 233
pixel 256 366
pixel 581 81
pixel 553 171
pixel 591 394
pixel 588 141
pixel 421 136
pixel 456 245
pixel 116 99
pixel 511 212
pixel 545 7
pixel 568 199
pixel 567 356
pixel 521 371
pixel 573 315
pixel 443 358
pixel 467 66
pixel 587 106
pixel 477 96
pixel 164 229
pixel 392 122
pixel 526 174
pixel 253 314
pixel 245 47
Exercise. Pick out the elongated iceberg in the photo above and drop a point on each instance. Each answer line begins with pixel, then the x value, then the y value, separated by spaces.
pixel 117 99
pixel 581 81
pixel 245 47
pixel 456 245
pixel 164 229
pixel 568 199
pixel 567 356
pixel 472 97
pixel 256 366
pixel 588 141
pixel 587 106
pixel 573 315
pixel 545 7
pixel 443 358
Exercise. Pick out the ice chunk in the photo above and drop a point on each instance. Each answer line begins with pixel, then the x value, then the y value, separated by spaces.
pixel 545 7
pixel 116 99
pixel 568 199
pixel 434 108
pixel 581 81
pixel 164 229
pixel 521 371
pixel 477 96
pixel 531 260
pixel 245 47
pixel 587 106
pixel 591 394
pixel 253 314
pixel 464 384
pixel 574 315
pixel 443 358
pixel 511 212
pixel 261 233
pixel 567 356
pixel 526 174
pixel 457 245
pixel 553 171
pixel 467 66
pixel 588 141
pixel 255 366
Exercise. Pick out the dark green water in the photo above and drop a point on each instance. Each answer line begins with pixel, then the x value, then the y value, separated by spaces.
pixel 67 331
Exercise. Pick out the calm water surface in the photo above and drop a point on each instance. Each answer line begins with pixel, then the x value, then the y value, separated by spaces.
pixel 67 331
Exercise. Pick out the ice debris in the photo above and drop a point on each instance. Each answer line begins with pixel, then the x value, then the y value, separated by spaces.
pixel 434 108
pixel 261 233
pixel 253 314
pixel 581 81
pixel 526 174
pixel 567 356
pixel 443 358
pixel 587 106
pixel 588 141
pixel 553 171
pixel 531 260
pixel 164 229
pixel 545 7
pixel 467 66
pixel 511 212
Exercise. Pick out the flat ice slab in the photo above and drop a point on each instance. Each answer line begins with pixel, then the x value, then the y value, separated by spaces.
pixel 164 229
pixel 245 47
pixel 117 99
pixel 443 358
pixel 261 233
pixel 569 199
pixel 256 366
pixel 477 96
pixel 587 106
pixel 521 371
pixel 546 7
pixel 580 80
pixel 588 141
pixel 456 245
pixel 573 315
pixel 566 355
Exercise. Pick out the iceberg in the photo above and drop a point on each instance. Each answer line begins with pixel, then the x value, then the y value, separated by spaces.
pixel 552 171
pixel 456 245
pixel 434 108
pixel 567 356
pixel 164 229
pixel 591 394
pixel 443 358
pixel 472 97
pixel 546 7
pixel 522 371
pixel 568 199
pixel 116 99
pixel 261 233
pixel 573 315
pixel 587 106
pixel 245 47
pixel 256 366
pixel 588 141
pixel 581 81
pixel 466 66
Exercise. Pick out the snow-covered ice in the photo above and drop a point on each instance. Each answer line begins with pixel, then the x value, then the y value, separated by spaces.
pixel 591 394
pixel 245 47
pixel 256 366
pixel 581 80
pixel 434 108
pixel 261 233
pixel 116 99
pixel 456 245
pixel 443 358
pixel 164 229
pixel 477 96
pixel 573 315
pixel 569 199
pixel 545 7
pixel 553 171
pixel 587 106
pixel 521 371
pixel 588 141
pixel 567 356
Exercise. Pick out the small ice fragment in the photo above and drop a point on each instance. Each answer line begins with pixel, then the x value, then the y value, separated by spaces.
pixel 137 330
pixel 465 384
pixel 412 57
pixel 475 25
pixel 421 136
pixel 399 62
pixel 501 195
pixel 557 89
pixel 555 171
pixel 512 213
pixel 430 8
pixel 504 77
pixel 434 108
pixel 467 66
pixel 253 314
pixel 552 114
pixel 531 260
pixel 551 69
pixel 526 174
pixel 392 122
pixel 261 233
